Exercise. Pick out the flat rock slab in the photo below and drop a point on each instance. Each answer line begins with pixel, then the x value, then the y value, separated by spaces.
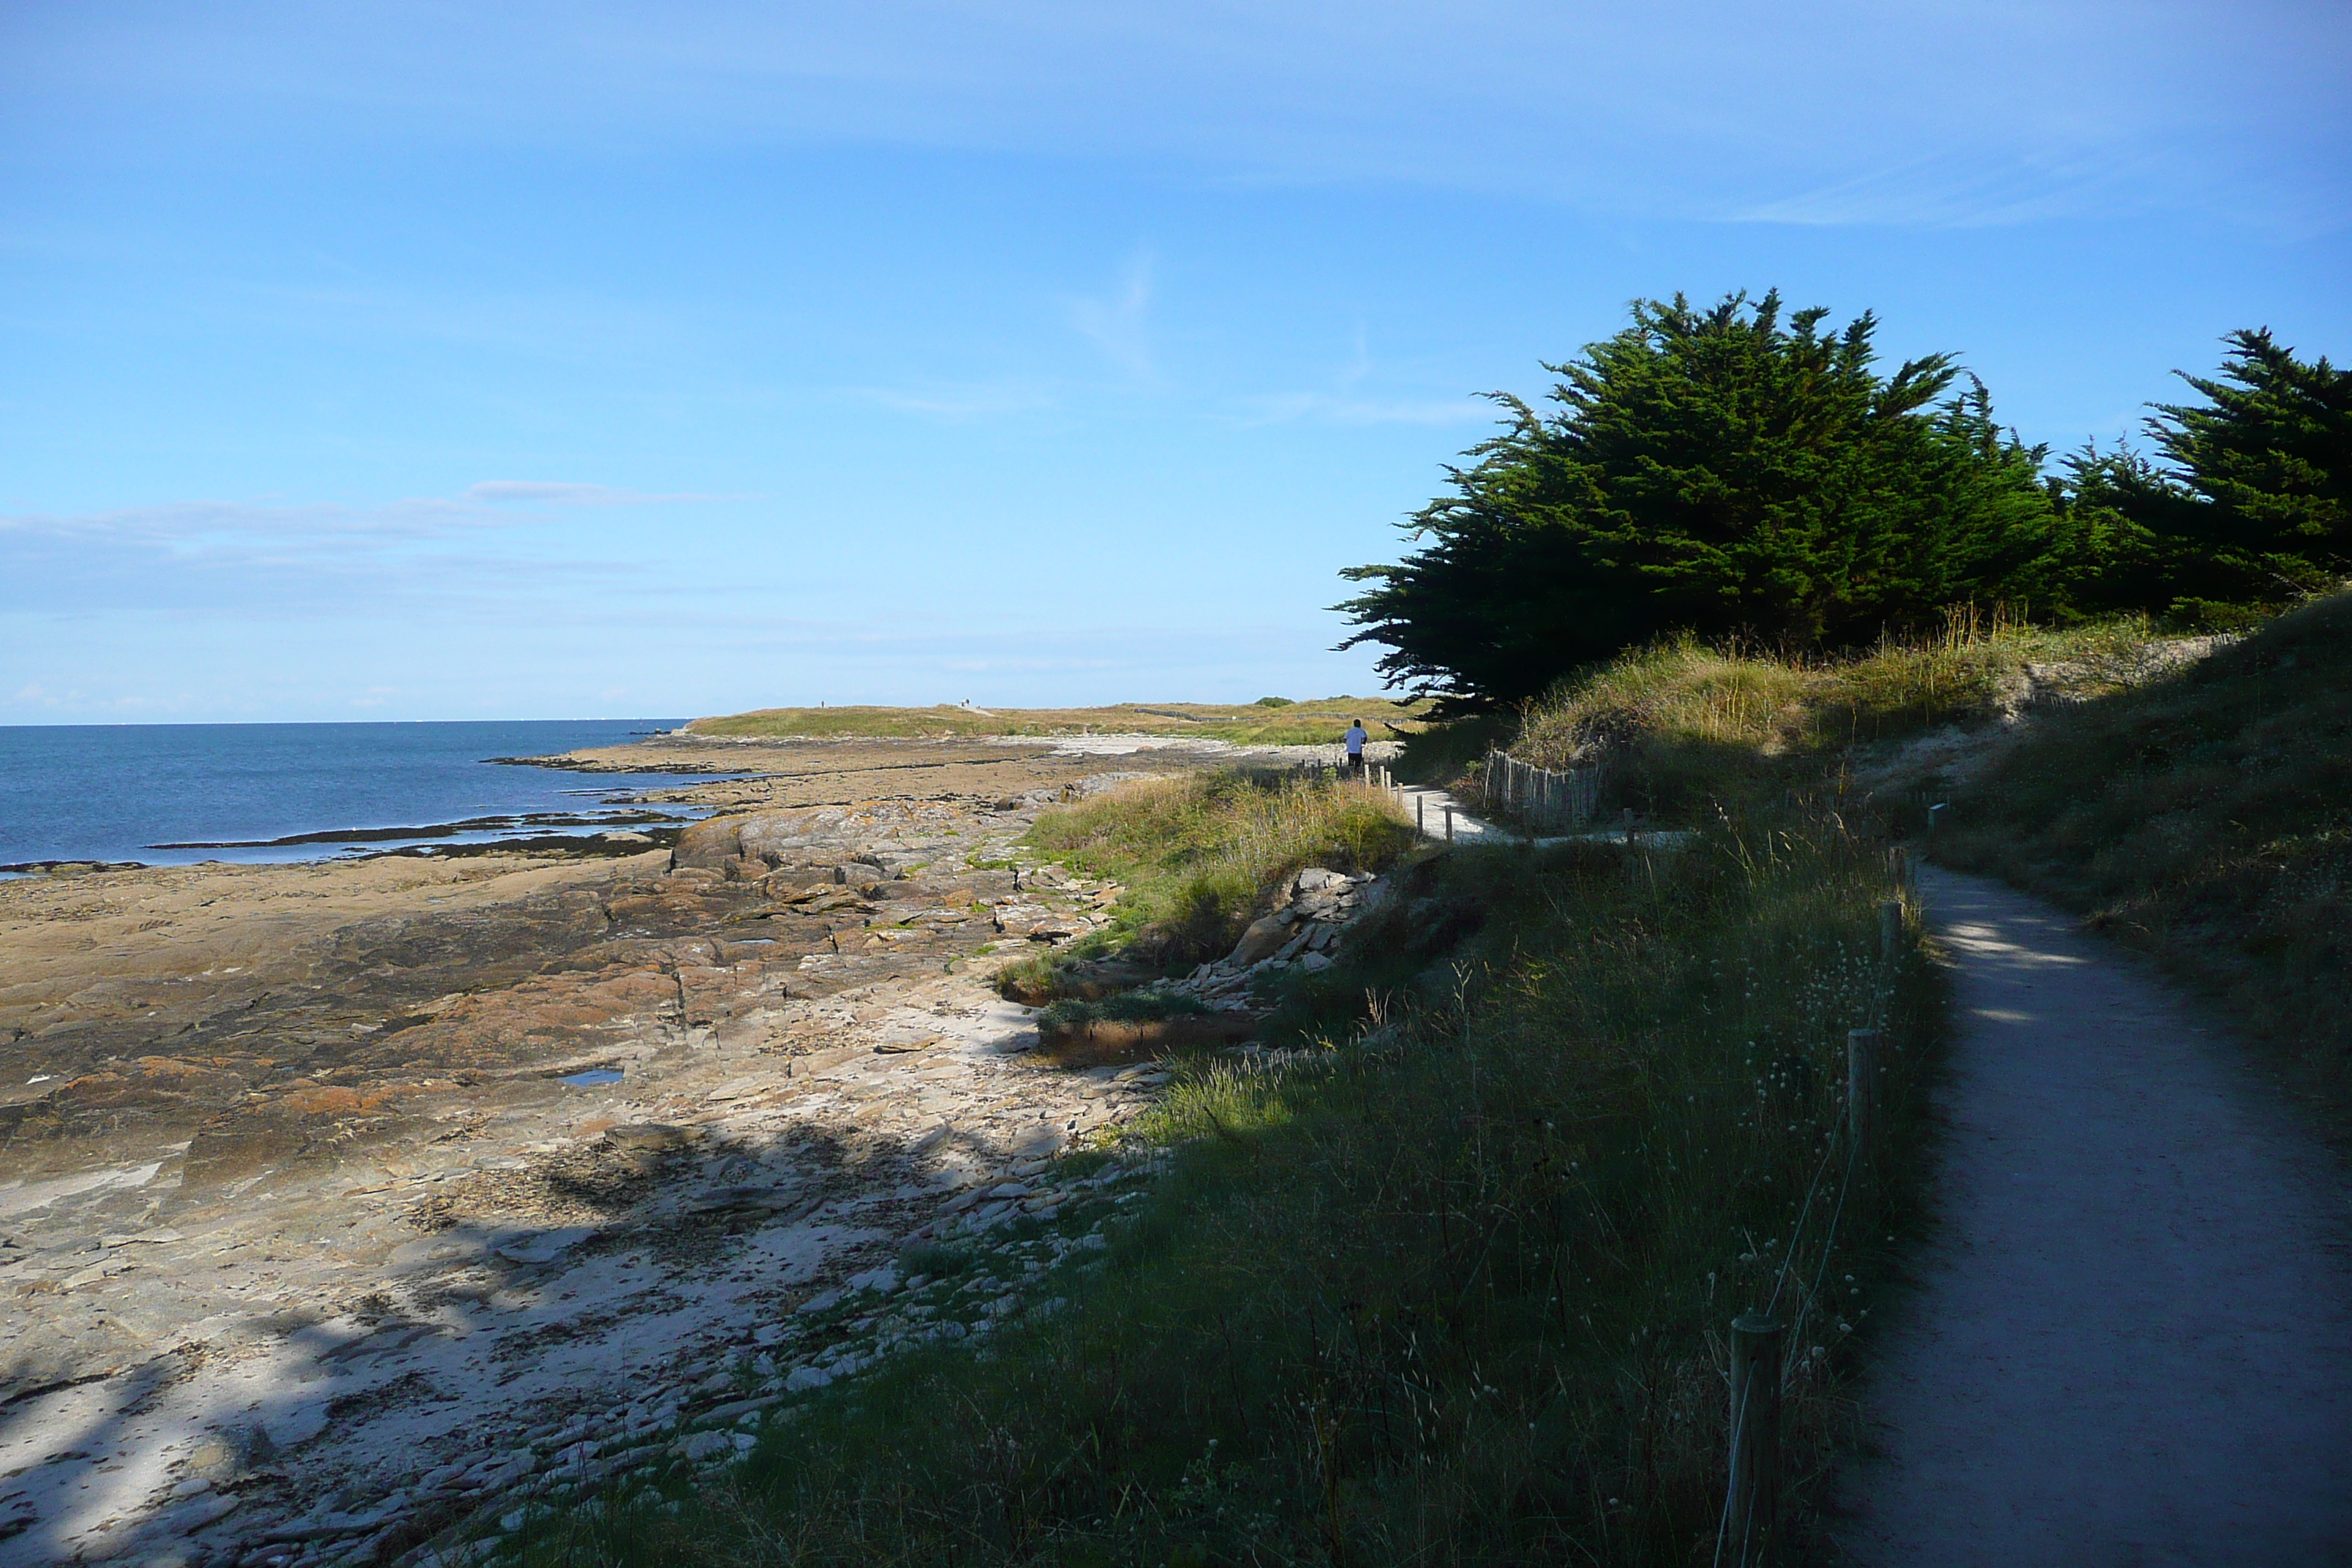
pixel 2132 1343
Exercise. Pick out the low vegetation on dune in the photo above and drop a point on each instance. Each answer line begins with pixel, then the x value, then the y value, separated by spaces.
pixel 2206 817
pixel 1678 727
pixel 1270 722
pixel 1200 855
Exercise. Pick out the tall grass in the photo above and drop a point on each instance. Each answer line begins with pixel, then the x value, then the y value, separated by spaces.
pixel 1683 724
pixel 1449 1290
pixel 1200 854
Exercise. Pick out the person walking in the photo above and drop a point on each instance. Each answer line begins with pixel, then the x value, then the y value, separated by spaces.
pixel 1356 738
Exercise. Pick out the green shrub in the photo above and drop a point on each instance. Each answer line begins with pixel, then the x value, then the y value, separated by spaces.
pixel 1724 471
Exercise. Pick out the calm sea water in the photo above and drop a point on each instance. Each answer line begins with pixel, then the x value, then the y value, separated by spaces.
pixel 115 792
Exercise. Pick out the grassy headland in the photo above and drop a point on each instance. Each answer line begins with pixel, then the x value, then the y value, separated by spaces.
pixel 1272 721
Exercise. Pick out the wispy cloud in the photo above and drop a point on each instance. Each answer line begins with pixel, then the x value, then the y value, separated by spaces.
pixel 1501 94
pixel 552 492
pixel 959 402
pixel 1328 408
pixel 276 560
pixel 1120 325
pixel 198 522
pixel 1349 402
pixel 1975 189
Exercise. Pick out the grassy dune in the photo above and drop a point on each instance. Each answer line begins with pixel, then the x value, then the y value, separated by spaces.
pixel 1683 727
pixel 2206 818
pixel 1317 723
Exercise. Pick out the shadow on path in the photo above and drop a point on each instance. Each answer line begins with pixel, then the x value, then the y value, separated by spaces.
pixel 2131 1341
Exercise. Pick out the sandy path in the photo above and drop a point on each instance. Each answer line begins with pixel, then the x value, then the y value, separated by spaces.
pixel 2133 1340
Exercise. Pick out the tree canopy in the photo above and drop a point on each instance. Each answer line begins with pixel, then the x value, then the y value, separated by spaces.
pixel 1717 471
pixel 2253 503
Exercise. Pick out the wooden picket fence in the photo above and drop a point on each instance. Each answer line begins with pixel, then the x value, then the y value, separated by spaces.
pixel 1544 798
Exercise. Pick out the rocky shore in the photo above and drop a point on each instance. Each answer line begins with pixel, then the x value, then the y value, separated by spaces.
pixel 344 1208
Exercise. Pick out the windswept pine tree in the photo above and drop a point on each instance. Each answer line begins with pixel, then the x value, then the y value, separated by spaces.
pixel 1719 471
pixel 2250 506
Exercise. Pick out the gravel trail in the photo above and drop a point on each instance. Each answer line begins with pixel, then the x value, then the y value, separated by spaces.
pixel 2132 1340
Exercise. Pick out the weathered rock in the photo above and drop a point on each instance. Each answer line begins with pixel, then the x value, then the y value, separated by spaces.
pixel 708 845
pixel 701 1445
pixel 651 1136
pixel 1263 939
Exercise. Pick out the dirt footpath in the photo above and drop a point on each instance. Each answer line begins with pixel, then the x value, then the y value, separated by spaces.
pixel 2132 1343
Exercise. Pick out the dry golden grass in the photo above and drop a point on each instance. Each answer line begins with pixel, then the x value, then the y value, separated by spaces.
pixel 1760 702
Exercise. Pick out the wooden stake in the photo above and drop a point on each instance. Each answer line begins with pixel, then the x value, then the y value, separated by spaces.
pixel 1862 1084
pixel 1752 1509
pixel 1890 927
pixel 1449 825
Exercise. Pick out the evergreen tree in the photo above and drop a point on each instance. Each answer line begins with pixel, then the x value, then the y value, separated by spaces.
pixel 2253 505
pixel 1718 471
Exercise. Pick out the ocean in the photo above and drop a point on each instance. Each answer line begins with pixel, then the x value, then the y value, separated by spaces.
pixel 177 794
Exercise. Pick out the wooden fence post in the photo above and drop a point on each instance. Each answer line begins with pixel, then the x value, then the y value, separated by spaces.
pixel 1862 1085
pixel 1752 1507
pixel 1421 815
pixel 1890 927
pixel 1449 825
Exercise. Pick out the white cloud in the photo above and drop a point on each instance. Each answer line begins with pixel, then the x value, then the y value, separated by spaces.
pixel 552 492
pixel 1120 325
pixel 959 402
pixel 276 559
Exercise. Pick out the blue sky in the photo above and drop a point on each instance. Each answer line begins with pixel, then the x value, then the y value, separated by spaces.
pixel 442 360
